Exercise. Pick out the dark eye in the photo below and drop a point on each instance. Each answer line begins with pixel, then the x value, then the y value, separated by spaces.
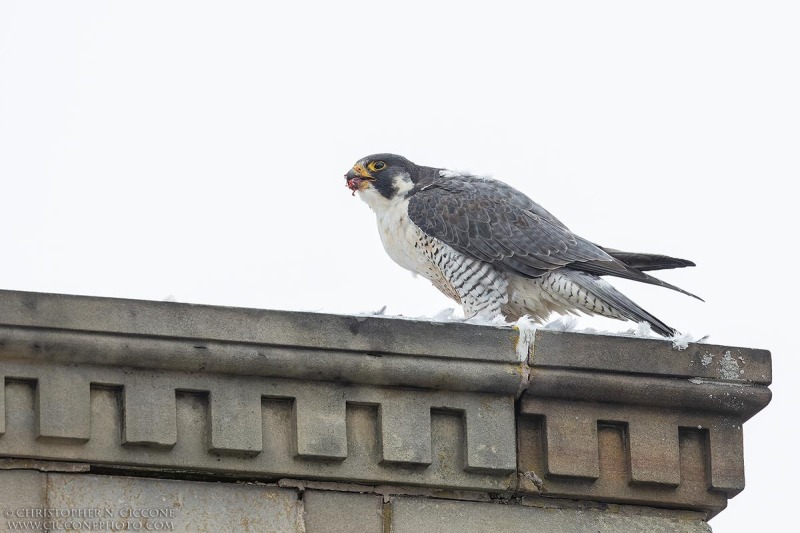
pixel 377 165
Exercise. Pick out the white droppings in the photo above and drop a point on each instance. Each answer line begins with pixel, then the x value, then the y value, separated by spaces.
pixel 728 366
pixel 707 359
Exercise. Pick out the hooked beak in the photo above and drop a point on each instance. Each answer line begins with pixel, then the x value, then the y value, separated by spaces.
pixel 358 178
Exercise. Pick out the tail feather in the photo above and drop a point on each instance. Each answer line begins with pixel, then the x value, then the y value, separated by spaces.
pixel 603 290
pixel 621 270
pixel 644 262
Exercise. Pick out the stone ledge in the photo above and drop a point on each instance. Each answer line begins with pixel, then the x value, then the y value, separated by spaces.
pixel 121 382
pixel 197 338
pixel 265 395
pixel 628 355
pixel 368 334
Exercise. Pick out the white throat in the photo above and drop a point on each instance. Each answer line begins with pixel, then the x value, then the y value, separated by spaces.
pixel 379 203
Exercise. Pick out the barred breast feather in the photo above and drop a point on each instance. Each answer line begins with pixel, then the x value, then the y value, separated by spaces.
pixel 477 286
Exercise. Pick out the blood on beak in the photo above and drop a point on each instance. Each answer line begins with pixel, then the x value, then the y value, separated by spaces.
pixel 354 184
pixel 358 179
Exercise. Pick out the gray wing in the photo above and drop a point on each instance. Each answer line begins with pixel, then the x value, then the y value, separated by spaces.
pixel 493 222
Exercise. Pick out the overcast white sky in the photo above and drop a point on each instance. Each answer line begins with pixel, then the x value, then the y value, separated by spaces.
pixel 196 150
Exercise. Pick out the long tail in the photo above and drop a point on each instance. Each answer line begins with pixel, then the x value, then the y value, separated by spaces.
pixel 621 269
pixel 621 304
pixel 645 262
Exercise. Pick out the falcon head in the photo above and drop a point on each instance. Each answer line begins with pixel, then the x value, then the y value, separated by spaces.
pixel 386 176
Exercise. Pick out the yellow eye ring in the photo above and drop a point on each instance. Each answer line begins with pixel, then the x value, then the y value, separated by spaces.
pixel 376 166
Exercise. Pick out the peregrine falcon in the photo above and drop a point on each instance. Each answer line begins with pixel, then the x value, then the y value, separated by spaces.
pixel 494 250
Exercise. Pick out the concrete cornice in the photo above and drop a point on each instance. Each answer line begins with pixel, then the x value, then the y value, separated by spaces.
pixel 703 377
pixel 228 340
pixel 261 394
pixel 603 353
pixel 368 334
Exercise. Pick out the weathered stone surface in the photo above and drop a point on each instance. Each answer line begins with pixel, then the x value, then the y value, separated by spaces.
pixel 654 451
pixel 657 453
pixel 571 444
pixel 606 353
pixel 186 355
pixel 189 506
pixel 2 404
pixel 636 421
pixel 413 515
pixel 320 424
pixel 235 421
pixel 342 512
pixel 613 458
pixel 405 433
pixel 368 334
pixel 62 405
pixel 42 466
pixel 741 400
pixel 488 448
pixel 277 455
pixel 20 491
pixel 243 393
pixel 236 371
pixel 149 412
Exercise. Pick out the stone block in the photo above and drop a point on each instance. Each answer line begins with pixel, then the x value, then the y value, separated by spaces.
pixel 342 512
pixel 320 427
pixel 413 515
pixel 149 412
pixel 235 421
pixel 571 444
pixel 405 432
pixel 190 506
pixel 62 405
pixel 22 492
pixel 654 452
pixel 725 455
pixel 490 443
